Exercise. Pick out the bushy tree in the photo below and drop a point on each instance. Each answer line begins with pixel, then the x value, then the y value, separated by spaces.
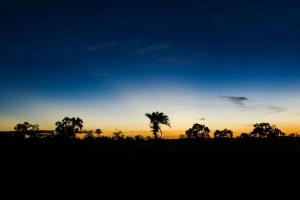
pixel 223 133
pixel 198 131
pixel 294 135
pixel 68 127
pixel 21 130
pixel 265 130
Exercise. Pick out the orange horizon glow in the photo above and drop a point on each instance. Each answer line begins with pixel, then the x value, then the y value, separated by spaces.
pixel 169 134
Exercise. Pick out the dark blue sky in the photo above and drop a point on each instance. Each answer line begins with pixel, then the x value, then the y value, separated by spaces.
pixel 70 52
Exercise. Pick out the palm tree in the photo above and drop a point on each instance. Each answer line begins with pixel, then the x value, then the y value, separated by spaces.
pixel 157 118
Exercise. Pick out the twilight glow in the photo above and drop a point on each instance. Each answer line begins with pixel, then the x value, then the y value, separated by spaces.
pixel 225 65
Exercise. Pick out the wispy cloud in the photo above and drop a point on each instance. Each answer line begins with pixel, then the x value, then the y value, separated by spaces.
pixel 202 119
pixel 236 100
pixel 156 47
pixel 275 108
pixel 101 46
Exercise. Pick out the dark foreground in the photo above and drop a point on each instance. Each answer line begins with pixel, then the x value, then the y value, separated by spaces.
pixel 189 169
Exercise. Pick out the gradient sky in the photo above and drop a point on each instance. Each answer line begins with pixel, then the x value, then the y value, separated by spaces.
pixel 226 64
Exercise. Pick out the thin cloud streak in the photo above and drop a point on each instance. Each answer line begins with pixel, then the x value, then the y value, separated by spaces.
pixel 275 109
pixel 102 46
pixel 146 50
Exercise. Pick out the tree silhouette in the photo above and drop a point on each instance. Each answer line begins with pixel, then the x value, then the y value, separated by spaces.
pixel 138 137
pixel 264 130
pixel 117 135
pixel 182 136
pixel 25 129
pixel 98 132
pixel 245 135
pixel 294 135
pixel 157 118
pixel 198 131
pixel 148 138
pixel 129 138
pixel 223 134
pixel 68 127
pixel 89 135
pixel 276 132
pixel 189 133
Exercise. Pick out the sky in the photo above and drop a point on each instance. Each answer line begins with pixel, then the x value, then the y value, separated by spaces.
pixel 226 64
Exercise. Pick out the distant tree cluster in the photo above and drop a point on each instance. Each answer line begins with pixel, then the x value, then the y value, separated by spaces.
pixel 68 127
pixel 260 130
pixel 25 129
pixel 265 130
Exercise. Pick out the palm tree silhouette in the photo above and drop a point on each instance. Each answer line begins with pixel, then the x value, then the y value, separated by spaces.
pixel 157 118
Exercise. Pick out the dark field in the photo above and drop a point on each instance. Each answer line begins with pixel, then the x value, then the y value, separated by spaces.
pixel 189 169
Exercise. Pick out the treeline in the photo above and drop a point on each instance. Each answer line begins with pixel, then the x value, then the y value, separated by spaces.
pixel 69 127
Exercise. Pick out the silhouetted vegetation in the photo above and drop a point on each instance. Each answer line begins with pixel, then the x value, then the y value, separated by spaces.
pixel 98 132
pixel 157 118
pixel 118 135
pixel 89 135
pixel 133 162
pixel 223 133
pixel 25 129
pixel 138 137
pixel 68 127
pixel 265 130
pixel 244 135
pixel 132 165
pixel 294 135
pixel 198 131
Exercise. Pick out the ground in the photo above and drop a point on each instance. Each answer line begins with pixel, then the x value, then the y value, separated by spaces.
pixel 42 168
